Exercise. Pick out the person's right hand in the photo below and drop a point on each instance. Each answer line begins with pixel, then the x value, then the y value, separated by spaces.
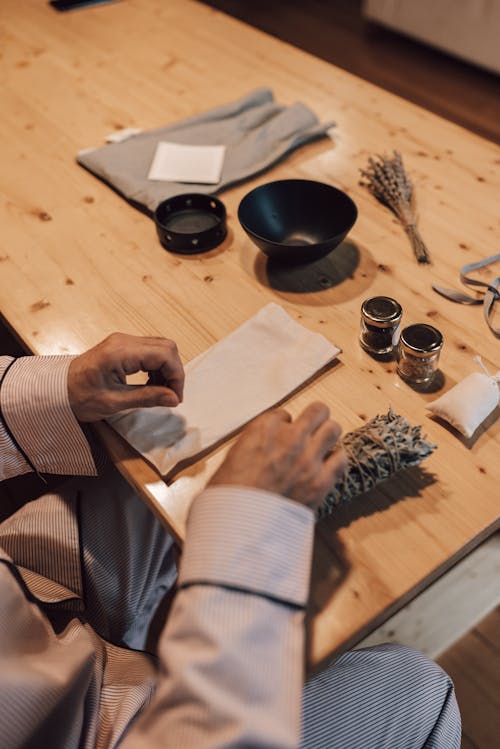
pixel 97 379
pixel 298 459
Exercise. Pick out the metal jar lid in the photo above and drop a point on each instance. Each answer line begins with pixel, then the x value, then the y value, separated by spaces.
pixel 381 311
pixel 421 339
pixel 191 223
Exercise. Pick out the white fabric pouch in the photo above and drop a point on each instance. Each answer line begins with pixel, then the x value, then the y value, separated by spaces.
pixel 245 373
pixel 469 402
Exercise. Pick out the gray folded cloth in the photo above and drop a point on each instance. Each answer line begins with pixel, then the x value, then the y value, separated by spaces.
pixel 256 131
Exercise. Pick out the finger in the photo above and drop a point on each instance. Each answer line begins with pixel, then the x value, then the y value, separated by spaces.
pixel 156 378
pixel 164 358
pixel 125 340
pixel 331 472
pixel 153 340
pixel 142 396
pixel 267 425
pixel 173 373
pixel 170 365
pixel 281 414
pixel 275 416
pixel 173 382
pixel 325 438
pixel 336 464
pixel 311 418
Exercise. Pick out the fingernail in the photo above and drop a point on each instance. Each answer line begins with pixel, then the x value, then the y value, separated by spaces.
pixel 171 400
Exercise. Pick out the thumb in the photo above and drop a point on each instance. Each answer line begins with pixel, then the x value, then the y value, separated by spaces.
pixel 146 396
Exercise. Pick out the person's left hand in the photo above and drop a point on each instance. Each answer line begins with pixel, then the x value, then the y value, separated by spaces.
pixel 97 385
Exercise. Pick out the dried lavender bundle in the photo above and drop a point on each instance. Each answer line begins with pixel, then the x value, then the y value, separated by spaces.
pixel 375 452
pixel 387 180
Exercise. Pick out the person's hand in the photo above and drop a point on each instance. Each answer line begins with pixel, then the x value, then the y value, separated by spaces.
pixel 299 459
pixel 97 385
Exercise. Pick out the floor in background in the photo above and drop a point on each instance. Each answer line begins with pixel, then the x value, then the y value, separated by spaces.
pixel 452 621
pixel 335 31
pixel 474 665
pixel 448 608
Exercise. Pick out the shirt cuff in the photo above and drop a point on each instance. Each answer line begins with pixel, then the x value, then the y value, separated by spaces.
pixel 251 540
pixel 36 409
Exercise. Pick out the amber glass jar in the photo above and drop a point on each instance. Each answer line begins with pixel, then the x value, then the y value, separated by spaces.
pixel 380 319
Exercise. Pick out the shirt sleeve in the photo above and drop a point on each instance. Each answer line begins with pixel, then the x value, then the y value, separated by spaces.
pixel 232 652
pixel 37 427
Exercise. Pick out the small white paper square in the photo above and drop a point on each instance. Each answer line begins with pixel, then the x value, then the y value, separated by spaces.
pixel 174 162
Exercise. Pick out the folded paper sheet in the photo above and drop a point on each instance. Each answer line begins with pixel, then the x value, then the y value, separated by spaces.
pixel 242 375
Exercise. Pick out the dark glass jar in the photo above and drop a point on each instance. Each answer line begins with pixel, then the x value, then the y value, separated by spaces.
pixel 418 353
pixel 380 319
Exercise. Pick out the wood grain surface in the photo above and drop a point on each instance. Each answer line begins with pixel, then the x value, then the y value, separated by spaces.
pixel 77 262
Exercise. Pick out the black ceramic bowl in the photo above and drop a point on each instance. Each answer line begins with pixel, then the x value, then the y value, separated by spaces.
pixel 297 220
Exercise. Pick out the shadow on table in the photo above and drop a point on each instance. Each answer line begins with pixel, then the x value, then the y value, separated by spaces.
pixel 331 270
pixel 406 484
pixel 347 272
pixel 330 566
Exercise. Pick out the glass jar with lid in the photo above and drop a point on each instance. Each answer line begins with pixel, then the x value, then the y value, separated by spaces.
pixel 380 320
pixel 418 353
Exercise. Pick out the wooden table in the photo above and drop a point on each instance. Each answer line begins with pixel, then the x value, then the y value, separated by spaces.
pixel 77 262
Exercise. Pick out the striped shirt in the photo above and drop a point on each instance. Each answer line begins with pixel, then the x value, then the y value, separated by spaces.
pixel 230 671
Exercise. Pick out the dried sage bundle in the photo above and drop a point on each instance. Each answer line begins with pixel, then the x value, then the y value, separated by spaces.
pixel 387 180
pixel 375 452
